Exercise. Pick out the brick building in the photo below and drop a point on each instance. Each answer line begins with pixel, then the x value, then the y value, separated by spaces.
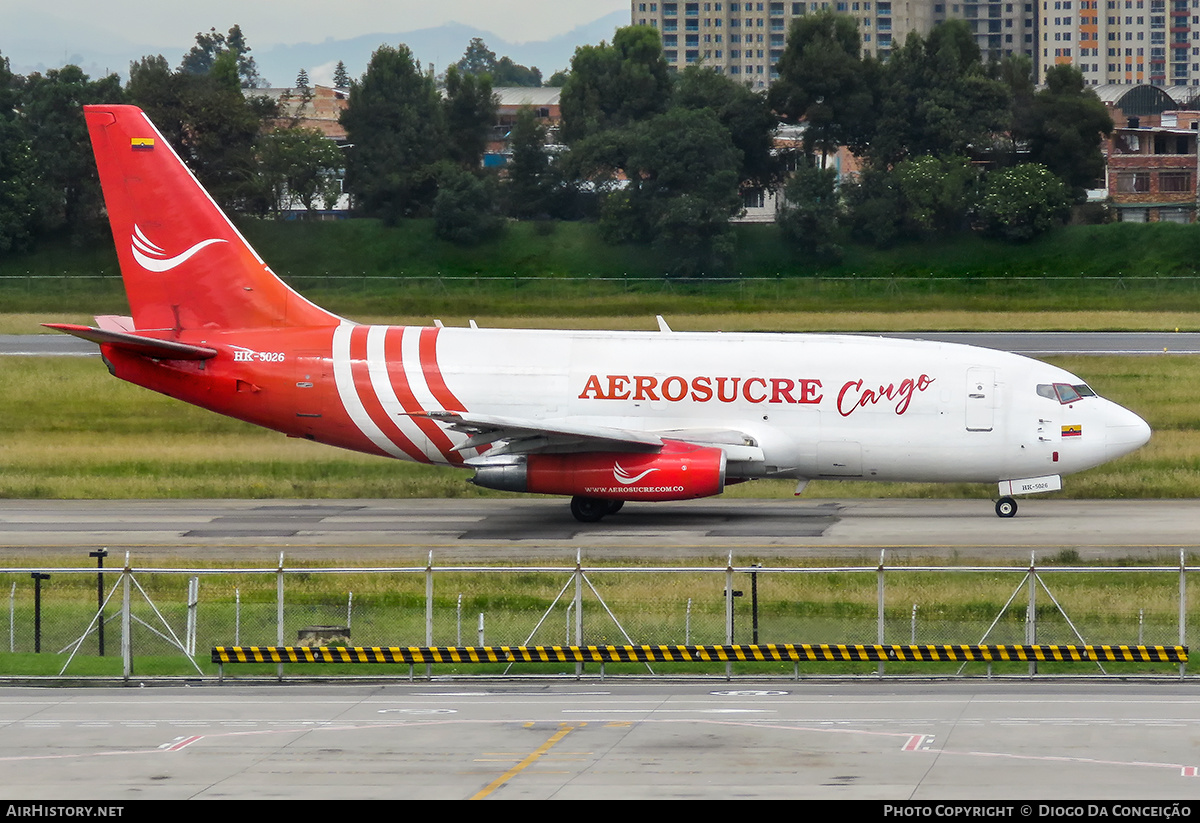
pixel 1152 160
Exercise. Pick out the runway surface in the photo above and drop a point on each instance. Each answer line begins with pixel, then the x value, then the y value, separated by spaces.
pixel 406 531
pixel 1032 343
pixel 969 743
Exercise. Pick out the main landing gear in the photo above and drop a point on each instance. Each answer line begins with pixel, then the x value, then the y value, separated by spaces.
pixel 591 509
pixel 1006 507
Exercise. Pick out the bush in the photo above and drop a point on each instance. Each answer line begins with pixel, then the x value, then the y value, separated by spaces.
pixel 1022 202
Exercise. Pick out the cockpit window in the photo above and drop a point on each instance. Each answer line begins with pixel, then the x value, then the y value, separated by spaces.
pixel 1064 392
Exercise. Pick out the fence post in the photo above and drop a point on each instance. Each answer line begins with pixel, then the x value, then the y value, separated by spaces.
pixel 578 606
pixel 126 651
pixel 193 603
pixel 879 605
pixel 729 612
pixel 429 610
pixel 754 602
pixel 279 614
pixel 1182 609
pixel 1031 613
pixel 100 554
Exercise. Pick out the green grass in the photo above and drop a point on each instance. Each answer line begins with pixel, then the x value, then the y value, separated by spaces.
pixel 359 267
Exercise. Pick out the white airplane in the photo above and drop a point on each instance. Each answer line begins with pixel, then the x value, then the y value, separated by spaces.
pixel 604 417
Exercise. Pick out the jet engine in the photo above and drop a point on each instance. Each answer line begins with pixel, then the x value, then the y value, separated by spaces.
pixel 681 471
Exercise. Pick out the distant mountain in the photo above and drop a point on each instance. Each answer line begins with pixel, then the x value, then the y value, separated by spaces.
pixel 36 40
pixel 440 46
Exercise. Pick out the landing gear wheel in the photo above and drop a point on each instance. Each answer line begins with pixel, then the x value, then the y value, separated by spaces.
pixel 1006 507
pixel 614 506
pixel 590 509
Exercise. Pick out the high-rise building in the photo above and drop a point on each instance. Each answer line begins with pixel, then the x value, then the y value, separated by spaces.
pixel 1123 41
pixel 1001 29
pixel 745 40
pixel 1109 41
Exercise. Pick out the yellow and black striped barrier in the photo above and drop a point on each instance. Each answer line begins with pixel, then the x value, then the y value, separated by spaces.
pixel 773 652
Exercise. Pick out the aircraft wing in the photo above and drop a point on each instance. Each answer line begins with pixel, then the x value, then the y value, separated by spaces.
pixel 509 435
pixel 136 343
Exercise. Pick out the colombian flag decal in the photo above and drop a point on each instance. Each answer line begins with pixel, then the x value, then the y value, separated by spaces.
pixel 1072 431
pixel 141 143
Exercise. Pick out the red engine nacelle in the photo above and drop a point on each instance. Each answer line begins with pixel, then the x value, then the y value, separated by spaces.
pixel 681 471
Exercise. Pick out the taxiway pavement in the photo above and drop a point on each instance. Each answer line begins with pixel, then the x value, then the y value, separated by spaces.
pixel 965 743
pixel 406 531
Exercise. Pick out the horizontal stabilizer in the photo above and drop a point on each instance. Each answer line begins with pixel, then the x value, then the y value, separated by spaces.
pixel 136 343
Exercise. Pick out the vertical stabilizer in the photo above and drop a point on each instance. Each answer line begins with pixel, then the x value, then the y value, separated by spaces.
pixel 185 265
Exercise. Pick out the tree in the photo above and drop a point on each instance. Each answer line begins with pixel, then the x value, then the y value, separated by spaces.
pixel 744 114
pixel 508 73
pixel 938 194
pixel 470 114
pixel 212 44
pixel 936 98
pixel 301 166
pixel 18 175
pixel 1064 128
pixel 68 193
pixel 920 197
pixel 1022 202
pixel 477 59
pixel 341 78
pixel 394 121
pixel 682 170
pixel 527 191
pixel 465 210
pixel 295 101
pixel 209 122
pixel 808 219
pixel 558 79
pixel 824 83
pixel 874 207
pixel 613 86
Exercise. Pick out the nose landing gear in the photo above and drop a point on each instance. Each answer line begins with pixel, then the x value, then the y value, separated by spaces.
pixel 1006 507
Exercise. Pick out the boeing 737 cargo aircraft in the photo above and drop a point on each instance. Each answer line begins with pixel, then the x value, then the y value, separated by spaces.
pixel 604 417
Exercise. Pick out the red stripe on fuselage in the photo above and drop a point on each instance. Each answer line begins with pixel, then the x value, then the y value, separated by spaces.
pixel 433 374
pixel 399 379
pixel 366 394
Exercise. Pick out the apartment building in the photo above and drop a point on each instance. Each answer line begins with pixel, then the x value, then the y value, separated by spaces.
pixel 746 40
pixel 1110 41
pixel 1124 41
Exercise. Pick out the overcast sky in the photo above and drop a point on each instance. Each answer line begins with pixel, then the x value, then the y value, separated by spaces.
pixel 267 22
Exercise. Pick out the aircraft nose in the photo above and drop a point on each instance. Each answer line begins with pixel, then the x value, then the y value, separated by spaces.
pixel 1125 432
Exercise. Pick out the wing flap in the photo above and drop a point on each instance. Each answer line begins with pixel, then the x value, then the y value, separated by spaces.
pixel 508 435
pixel 136 343
pixel 521 435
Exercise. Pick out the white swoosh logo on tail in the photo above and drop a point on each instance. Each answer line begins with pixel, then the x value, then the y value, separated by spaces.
pixel 152 258
pixel 625 478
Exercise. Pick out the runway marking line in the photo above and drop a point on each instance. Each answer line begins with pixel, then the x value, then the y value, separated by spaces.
pixel 182 743
pixel 532 758
pixel 917 742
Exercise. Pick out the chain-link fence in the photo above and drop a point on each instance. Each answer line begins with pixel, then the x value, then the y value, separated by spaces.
pixel 151 621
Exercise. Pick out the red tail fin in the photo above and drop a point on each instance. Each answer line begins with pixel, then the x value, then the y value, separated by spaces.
pixel 184 264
